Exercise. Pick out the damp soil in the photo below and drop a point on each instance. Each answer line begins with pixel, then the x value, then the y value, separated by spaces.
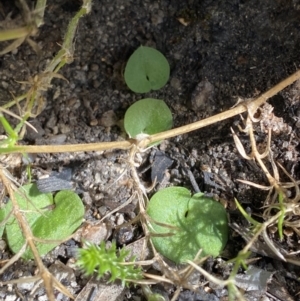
pixel 219 52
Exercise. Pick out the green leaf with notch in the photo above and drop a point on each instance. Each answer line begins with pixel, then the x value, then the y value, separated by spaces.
pixel 48 218
pixel 147 69
pixel 195 222
pixel 147 116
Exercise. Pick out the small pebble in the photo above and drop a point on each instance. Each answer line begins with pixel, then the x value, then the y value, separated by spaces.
pixel 43 298
pixel 94 67
pixel 2 245
pixel 96 233
pixel 10 298
pixel 25 286
pixel 57 139
pixel 124 235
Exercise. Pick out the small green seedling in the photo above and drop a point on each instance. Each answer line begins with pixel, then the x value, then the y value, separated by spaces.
pixel 195 222
pixel 147 69
pixel 107 260
pixel 147 116
pixel 49 218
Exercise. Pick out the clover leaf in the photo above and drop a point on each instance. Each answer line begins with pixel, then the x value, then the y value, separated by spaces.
pixel 147 69
pixel 49 218
pixel 195 222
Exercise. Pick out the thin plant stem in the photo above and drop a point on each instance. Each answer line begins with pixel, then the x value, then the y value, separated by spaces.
pixel 40 11
pixel 248 106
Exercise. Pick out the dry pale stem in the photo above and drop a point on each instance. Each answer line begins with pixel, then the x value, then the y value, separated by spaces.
pixel 287 208
pixel 49 281
pixel 250 106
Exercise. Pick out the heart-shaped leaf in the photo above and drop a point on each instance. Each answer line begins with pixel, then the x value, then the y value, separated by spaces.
pixel 147 69
pixel 48 219
pixel 196 222
pixel 147 116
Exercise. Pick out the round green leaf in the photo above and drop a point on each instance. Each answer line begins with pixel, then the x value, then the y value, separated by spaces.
pixel 147 69
pixel 196 222
pixel 147 116
pixel 48 219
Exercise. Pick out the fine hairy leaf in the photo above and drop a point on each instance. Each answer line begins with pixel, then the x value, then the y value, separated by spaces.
pixel 196 222
pixel 98 258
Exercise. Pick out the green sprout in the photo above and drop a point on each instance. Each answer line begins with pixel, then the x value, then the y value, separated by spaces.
pixel 102 260
pixel 182 224
pixel 49 218
pixel 147 69
pixel 147 116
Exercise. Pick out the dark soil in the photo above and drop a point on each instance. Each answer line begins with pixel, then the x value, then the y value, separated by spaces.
pixel 225 50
